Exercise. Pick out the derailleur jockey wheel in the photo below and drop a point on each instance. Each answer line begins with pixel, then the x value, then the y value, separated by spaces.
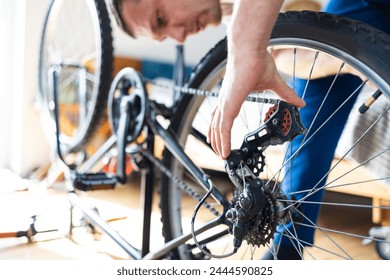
pixel 286 122
pixel 127 96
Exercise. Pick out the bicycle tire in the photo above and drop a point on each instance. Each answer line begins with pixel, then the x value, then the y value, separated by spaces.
pixel 363 47
pixel 77 38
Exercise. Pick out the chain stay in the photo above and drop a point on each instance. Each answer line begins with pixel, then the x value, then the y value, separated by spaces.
pixel 179 182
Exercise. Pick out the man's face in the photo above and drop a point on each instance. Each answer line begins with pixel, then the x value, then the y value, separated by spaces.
pixel 176 19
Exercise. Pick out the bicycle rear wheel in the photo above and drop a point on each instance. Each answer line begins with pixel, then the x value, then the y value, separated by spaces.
pixel 76 46
pixel 360 164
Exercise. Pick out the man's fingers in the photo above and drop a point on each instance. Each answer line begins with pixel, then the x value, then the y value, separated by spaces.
pixel 226 124
pixel 215 132
pixel 219 133
pixel 225 143
pixel 287 94
pixel 210 131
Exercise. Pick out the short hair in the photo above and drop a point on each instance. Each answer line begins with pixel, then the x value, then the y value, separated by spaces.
pixel 116 9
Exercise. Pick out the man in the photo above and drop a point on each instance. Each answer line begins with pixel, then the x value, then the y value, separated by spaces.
pixel 250 67
pixel 178 19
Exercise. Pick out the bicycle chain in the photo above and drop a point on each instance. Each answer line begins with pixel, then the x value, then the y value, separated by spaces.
pixel 179 182
pixel 206 93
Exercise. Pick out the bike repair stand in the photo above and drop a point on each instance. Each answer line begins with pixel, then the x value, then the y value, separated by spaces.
pixel 80 179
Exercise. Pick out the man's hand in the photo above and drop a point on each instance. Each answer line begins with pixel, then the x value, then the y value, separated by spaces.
pixel 249 67
pixel 247 72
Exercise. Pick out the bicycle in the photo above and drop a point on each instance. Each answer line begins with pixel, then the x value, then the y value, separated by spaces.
pixel 250 206
pixel 77 45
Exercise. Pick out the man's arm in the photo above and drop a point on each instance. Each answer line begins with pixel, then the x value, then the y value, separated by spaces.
pixel 249 67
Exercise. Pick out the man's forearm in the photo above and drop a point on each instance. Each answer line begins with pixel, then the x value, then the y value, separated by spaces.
pixel 252 23
pixel 248 37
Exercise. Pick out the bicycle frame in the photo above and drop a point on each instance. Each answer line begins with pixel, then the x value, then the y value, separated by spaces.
pixel 147 183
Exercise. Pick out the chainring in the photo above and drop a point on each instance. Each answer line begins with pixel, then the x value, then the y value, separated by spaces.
pixel 128 84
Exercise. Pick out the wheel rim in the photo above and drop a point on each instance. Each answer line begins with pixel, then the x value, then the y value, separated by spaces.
pixel 175 197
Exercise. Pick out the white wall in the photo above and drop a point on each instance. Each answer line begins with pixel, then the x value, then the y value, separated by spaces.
pixel 22 144
pixel 6 19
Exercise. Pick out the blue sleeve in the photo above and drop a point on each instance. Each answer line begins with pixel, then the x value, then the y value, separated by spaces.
pixel 373 12
pixel 379 2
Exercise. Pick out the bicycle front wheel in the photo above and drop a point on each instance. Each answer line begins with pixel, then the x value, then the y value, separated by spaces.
pixel 76 50
pixel 331 62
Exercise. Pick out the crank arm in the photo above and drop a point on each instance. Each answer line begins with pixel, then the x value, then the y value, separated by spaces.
pixel 122 138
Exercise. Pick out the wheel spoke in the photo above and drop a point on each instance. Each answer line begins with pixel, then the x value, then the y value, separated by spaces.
pixel 307 64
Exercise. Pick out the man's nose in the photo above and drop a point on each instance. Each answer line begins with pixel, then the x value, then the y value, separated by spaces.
pixel 178 33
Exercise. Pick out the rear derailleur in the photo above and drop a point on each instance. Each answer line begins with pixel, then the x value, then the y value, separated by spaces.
pixel 259 205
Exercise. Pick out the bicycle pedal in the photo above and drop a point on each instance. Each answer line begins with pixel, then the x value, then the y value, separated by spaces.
pixel 94 181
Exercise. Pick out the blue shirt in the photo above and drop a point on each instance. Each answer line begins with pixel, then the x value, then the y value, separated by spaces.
pixel 373 12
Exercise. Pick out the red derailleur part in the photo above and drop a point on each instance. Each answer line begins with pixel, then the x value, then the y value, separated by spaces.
pixel 287 119
pixel 282 124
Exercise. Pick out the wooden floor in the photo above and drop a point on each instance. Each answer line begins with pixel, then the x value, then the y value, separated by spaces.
pixel 122 209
